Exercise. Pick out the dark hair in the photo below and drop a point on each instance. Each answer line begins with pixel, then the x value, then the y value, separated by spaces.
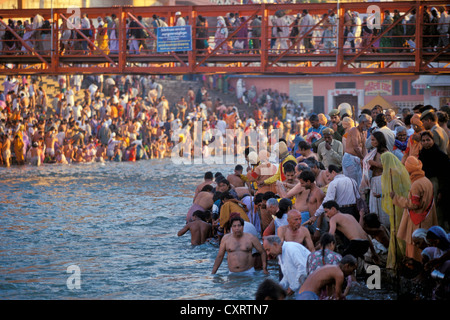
pixel 307 176
pixel 417 107
pixel 258 198
pixel 200 214
pixel 304 145
pixel 371 220
pixel 442 116
pixel 427 133
pixel 237 218
pixel 288 167
pixel 430 116
pixel 270 289
pixel 325 240
pixel 313 117
pixel 208 175
pixel 238 168
pixel 225 196
pixel 408 119
pixel 269 194
pixel 348 259
pixel 284 206
pixel 380 120
pixel 330 204
pixel 208 188
pixel 334 168
pixel 381 139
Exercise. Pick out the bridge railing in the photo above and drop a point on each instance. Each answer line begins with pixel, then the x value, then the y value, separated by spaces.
pixel 332 38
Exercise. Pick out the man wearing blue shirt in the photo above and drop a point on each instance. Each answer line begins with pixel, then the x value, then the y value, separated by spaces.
pixel 315 126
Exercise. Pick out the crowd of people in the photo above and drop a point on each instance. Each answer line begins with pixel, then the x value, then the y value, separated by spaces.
pixel 100 35
pixel 342 195
pixel 340 189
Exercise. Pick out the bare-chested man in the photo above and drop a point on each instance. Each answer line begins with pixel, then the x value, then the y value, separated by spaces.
pixel 203 201
pixel 199 228
pixel 208 179
pixel 325 276
pixel 238 246
pixel 351 229
pixel 50 140
pixel 35 154
pixel 289 173
pixel 294 231
pixel 6 150
pixel 313 201
pixel 298 194
pixel 68 150
pixel 235 178
pixel 355 149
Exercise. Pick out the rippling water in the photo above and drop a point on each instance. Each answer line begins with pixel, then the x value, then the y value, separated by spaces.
pixel 118 223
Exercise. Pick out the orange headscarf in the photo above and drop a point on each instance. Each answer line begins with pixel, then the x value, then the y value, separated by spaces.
pixel 414 168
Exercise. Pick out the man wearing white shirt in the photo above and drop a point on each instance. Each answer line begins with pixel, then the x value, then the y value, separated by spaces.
pixel 70 96
pixel 341 189
pixel 85 28
pixel 179 19
pixel 292 258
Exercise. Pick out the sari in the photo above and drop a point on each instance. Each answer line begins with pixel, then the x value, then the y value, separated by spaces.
pixel 395 178
pixel 19 147
pixel 419 210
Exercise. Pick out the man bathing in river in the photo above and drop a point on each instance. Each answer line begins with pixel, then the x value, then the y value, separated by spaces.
pixel 238 246
pixel 203 201
pixel 294 231
pixel 200 229
pixel 326 276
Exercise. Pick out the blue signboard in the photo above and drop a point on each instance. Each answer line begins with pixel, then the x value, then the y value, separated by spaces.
pixel 174 39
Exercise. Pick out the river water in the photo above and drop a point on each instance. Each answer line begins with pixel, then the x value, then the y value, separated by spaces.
pixel 109 231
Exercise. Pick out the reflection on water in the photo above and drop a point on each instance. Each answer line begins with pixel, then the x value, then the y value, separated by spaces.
pixel 118 223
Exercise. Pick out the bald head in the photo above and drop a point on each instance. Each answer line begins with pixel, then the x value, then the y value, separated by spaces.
pixel 294 219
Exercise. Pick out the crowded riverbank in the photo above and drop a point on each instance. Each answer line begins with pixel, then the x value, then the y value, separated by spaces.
pixel 363 187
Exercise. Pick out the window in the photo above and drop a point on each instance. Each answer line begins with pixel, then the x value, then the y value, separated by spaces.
pixel 345 85
pixel 396 87
pixel 413 90
pixel 404 87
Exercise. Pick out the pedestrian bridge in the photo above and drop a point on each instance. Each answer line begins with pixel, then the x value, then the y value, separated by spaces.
pixel 338 44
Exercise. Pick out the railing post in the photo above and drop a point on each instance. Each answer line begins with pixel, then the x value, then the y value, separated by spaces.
pixel 264 32
pixel 340 40
pixel 122 39
pixel 54 54
pixel 192 54
pixel 418 53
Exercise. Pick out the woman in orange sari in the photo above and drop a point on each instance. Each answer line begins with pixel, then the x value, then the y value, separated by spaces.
pixel 419 208
pixel 19 146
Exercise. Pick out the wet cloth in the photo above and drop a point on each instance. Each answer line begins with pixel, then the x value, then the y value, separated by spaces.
pixel 193 208
pixel 306 295
pixel 357 248
pixel 351 167
pixel 248 272
pixel 394 178
pixel 375 203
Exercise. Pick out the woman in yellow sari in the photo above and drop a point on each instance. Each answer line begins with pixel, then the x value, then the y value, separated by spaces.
pixel 18 146
pixel 394 178
pixel 102 37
